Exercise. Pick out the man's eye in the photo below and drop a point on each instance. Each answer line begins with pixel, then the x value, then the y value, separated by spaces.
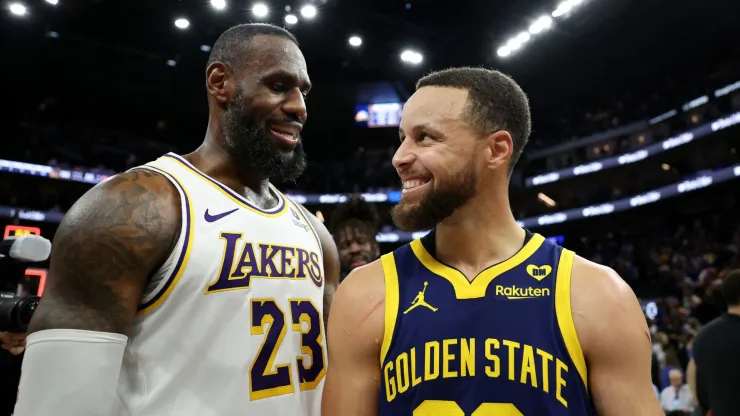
pixel 278 87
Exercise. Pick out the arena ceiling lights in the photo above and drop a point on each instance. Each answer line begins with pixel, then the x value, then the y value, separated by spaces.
pixel 538 27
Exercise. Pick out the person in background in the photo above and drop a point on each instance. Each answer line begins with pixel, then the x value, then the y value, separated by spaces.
pixel 714 372
pixel 677 396
pixel 354 225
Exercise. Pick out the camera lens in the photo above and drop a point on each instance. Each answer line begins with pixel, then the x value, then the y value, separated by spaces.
pixel 16 313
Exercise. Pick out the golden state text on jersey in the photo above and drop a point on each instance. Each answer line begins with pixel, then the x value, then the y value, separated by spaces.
pixel 501 345
pixel 232 322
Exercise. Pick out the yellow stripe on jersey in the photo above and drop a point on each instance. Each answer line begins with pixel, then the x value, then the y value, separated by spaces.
pixel 391 302
pixel 464 289
pixel 182 260
pixel 564 314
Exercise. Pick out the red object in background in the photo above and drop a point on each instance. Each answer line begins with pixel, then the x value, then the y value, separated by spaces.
pixel 41 274
pixel 19 230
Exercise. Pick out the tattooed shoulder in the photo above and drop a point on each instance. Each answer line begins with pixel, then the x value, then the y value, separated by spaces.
pixel 104 251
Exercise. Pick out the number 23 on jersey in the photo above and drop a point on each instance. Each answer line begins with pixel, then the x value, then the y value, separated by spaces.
pixel 264 381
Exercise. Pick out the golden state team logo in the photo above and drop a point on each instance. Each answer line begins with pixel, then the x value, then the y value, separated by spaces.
pixel 419 301
pixel 539 272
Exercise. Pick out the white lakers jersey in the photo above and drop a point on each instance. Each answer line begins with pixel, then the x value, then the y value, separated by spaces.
pixel 232 323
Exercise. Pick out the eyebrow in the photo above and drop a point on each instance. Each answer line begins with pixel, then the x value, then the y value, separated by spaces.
pixel 281 73
pixel 425 126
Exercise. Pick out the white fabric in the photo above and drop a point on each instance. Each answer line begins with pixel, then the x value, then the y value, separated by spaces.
pixel 69 372
pixel 681 398
pixel 193 352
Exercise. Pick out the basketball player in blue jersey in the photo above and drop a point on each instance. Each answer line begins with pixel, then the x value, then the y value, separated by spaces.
pixel 190 285
pixel 480 317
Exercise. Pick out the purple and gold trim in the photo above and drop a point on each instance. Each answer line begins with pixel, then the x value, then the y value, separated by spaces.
pixel 315 234
pixel 278 210
pixel 164 291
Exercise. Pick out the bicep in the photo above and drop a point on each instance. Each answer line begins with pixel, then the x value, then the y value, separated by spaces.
pixel 103 252
pixel 619 356
pixel 354 334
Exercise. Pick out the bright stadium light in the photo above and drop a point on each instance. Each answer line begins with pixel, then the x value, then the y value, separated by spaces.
pixel 291 19
pixel 171 62
pixel 308 11
pixel 541 24
pixel 516 42
pixel 53 2
pixel 260 10
pixel 564 7
pixel 218 4
pixel 205 48
pixel 355 41
pixel 411 57
pixel 503 51
pixel 17 9
pixel 182 23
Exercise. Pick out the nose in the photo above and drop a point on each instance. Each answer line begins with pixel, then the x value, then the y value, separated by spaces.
pixel 354 247
pixel 295 105
pixel 404 157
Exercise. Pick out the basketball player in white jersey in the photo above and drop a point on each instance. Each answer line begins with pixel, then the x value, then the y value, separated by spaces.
pixel 190 285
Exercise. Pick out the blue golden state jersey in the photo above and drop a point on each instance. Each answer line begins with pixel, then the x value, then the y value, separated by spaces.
pixel 501 345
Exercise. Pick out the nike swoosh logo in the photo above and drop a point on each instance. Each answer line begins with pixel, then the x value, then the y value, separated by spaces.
pixel 213 218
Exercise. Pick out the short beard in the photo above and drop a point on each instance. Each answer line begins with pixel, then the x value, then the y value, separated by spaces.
pixel 253 150
pixel 439 204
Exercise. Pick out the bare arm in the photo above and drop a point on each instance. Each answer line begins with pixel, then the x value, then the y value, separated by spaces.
pixel 331 261
pixel 615 341
pixel 106 247
pixel 356 326
pixel 691 380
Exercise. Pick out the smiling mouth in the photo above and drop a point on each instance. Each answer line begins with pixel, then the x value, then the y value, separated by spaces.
pixel 412 184
pixel 284 136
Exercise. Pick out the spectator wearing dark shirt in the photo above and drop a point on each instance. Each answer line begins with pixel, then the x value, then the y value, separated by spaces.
pixel 714 373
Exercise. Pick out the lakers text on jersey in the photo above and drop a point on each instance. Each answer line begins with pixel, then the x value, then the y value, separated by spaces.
pixel 232 323
pixel 501 345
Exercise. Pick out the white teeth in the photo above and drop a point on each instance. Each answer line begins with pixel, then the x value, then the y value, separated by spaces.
pixel 287 135
pixel 413 184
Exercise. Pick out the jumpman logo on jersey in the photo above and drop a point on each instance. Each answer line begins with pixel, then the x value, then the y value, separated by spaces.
pixel 419 301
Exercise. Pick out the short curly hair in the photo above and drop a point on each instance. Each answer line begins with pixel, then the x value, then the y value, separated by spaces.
pixel 356 213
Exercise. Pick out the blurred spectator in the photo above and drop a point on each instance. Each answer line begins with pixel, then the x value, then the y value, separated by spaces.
pixel 716 353
pixel 354 226
pixel 677 396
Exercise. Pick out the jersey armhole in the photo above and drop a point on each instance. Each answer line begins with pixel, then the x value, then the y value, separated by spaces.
pixel 180 254
pixel 391 303
pixel 303 212
pixel 564 314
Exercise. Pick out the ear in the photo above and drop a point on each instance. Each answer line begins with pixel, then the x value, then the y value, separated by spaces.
pixel 500 147
pixel 220 82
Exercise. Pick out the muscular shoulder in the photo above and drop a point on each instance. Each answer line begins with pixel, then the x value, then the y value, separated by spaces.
pixel 600 296
pixel 104 251
pixel 136 200
pixel 359 305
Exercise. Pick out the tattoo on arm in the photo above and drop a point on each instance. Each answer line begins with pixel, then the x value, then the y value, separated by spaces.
pixel 104 251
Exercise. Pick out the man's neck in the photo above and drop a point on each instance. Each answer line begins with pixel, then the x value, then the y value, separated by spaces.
pixel 478 235
pixel 735 310
pixel 214 161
